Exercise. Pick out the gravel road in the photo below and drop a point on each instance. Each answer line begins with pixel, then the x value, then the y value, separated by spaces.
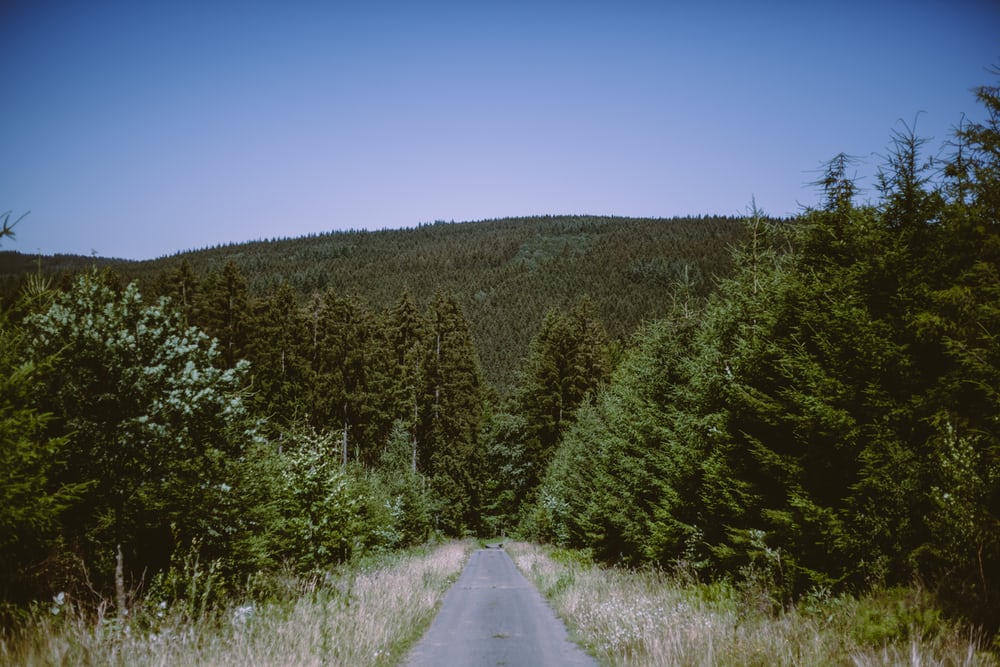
pixel 494 616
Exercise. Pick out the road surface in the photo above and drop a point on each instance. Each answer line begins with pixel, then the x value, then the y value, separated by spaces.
pixel 494 616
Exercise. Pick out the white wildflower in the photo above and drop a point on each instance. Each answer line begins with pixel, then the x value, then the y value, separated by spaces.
pixel 242 615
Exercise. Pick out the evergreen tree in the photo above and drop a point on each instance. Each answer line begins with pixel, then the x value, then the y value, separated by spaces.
pixel 450 418
pixel 409 502
pixel 567 360
pixel 506 470
pixel 963 314
pixel 278 351
pixel 406 332
pixel 181 287
pixel 152 420
pixel 348 382
pixel 31 506
pixel 224 311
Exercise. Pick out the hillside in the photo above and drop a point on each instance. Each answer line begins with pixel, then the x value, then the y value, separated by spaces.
pixel 506 273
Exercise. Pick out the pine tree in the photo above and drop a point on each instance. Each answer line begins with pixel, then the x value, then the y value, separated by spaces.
pixel 450 418
pixel 963 314
pixel 182 289
pixel 346 384
pixel 406 331
pixel 567 361
pixel 30 504
pixel 153 420
pixel 279 357
pixel 224 310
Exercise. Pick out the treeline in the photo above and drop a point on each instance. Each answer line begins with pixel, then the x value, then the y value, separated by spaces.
pixel 134 442
pixel 164 414
pixel 505 274
pixel 824 417
pixel 830 418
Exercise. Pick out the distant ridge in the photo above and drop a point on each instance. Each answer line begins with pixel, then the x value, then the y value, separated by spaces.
pixel 506 272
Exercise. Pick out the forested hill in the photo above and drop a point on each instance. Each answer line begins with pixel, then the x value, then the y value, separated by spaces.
pixel 506 273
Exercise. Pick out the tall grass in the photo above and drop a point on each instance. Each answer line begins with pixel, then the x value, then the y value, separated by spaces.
pixel 368 614
pixel 654 618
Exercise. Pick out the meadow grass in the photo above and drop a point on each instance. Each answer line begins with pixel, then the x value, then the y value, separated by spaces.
pixel 366 614
pixel 627 617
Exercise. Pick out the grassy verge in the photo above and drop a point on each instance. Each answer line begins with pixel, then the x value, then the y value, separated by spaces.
pixel 653 618
pixel 368 614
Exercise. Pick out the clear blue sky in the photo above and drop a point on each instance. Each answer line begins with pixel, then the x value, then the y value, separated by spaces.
pixel 138 129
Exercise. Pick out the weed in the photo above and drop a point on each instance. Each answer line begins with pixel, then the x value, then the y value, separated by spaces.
pixel 649 617
pixel 368 614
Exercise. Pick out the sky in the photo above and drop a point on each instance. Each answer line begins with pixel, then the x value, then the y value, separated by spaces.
pixel 141 129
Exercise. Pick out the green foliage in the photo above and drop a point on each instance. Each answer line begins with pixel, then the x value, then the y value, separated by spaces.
pixel 222 307
pixel 30 506
pixel 7 229
pixel 320 504
pixel 506 274
pixel 280 350
pixel 506 469
pixel 447 429
pixel 825 420
pixel 153 424
pixel 302 508
pixel 621 481
pixel 830 420
pixel 567 360
pixel 404 492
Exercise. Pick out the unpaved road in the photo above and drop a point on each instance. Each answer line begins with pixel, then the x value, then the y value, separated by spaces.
pixel 494 616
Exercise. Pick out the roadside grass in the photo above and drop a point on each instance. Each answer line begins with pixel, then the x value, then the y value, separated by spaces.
pixel 369 613
pixel 648 617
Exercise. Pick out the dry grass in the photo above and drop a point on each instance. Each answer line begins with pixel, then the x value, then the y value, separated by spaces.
pixel 651 618
pixel 367 616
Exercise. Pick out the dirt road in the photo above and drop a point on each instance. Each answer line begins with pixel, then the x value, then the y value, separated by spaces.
pixel 494 616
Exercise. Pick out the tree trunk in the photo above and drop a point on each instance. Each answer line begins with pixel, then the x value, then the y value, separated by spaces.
pixel 413 450
pixel 120 602
pixel 344 445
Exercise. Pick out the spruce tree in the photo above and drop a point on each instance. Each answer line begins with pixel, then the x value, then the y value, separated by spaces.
pixel 566 362
pixel 223 311
pixel 450 416
pixel 345 387
pixel 406 338
pixel 277 348
pixel 31 505
pixel 153 421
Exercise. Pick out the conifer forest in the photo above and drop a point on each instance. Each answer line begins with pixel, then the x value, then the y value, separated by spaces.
pixel 812 401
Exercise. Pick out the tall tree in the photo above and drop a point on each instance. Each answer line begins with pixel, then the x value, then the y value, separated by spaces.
pixel 224 311
pixel 152 420
pixel 347 384
pixel 30 505
pixel 963 313
pixel 278 350
pixel 406 331
pixel 181 286
pixel 566 361
pixel 449 422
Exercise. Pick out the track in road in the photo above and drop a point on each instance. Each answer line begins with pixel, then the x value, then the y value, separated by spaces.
pixel 494 616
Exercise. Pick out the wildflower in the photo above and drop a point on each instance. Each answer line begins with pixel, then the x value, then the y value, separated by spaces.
pixel 242 614
pixel 58 600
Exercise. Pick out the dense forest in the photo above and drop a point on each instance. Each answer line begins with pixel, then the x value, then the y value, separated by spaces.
pixel 506 274
pixel 816 409
pixel 830 418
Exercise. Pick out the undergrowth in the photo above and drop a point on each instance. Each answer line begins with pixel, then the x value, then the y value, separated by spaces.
pixel 650 617
pixel 367 613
